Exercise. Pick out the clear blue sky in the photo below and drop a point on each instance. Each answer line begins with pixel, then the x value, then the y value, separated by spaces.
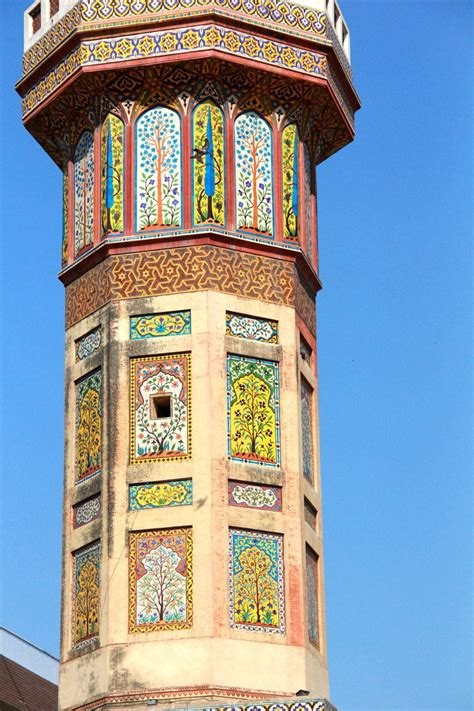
pixel 394 363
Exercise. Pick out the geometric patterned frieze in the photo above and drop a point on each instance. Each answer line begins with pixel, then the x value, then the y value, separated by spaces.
pixel 88 426
pixel 174 323
pixel 160 408
pixel 161 494
pixel 294 19
pixel 161 583
pixel 251 328
pixel 161 272
pixel 85 594
pixel 86 511
pixel 253 410
pixel 256 581
pixel 166 43
pixel 254 496
pixel 307 430
pixel 88 344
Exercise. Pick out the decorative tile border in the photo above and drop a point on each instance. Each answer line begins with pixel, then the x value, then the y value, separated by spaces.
pixel 167 43
pixel 173 323
pixel 251 328
pixel 161 494
pixel 88 344
pixel 86 511
pixel 254 496
pixel 256 581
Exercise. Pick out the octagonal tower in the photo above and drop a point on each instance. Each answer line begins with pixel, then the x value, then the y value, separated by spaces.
pixel 188 134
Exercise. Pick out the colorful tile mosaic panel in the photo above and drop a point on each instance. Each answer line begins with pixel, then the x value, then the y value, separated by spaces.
pixel 312 596
pixel 88 426
pixel 86 511
pixel 89 344
pixel 289 141
pixel 173 323
pixel 161 583
pixel 307 430
pixel 158 174
pixel 251 328
pixel 86 594
pixel 112 176
pixel 308 173
pixel 208 165
pixel 254 496
pixel 254 173
pixel 253 410
pixel 256 584
pixel 84 193
pixel 155 434
pixel 65 240
pixel 160 494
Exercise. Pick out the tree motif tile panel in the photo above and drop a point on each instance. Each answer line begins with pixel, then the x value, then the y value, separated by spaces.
pixel 154 437
pixel 307 430
pixel 251 328
pixel 86 594
pixel 65 241
pixel 253 410
pixel 88 426
pixel 312 596
pixel 254 174
pixel 86 511
pixel 254 496
pixel 158 172
pixel 112 175
pixel 256 583
pixel 290 181
pixel 208 165
pixel 161 494
pixel 89 344
pixel 174 323
pixel 308 170
pixel 161 585
pixel 84 193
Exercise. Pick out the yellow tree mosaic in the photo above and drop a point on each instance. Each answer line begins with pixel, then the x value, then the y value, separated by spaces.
pixel 111 148
pixel 89 426
pixel 290 181
pixel 86 590
pixel 253 410
pixel 208 164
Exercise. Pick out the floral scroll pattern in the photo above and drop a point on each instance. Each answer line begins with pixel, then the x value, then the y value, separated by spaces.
pixel 86 579
pixel 89 426
pixel 158 176
pixel 174 323
pixel 290 181
pixel 88 344
pixel 208 164
pixel 112 176
pixel 254 174
pixel 84 193
pixel 161 580
pixel 156 496
pixel 253 410
pixel 153 436
pixel 254 496
pixel 86 511
pixel 256 581
pixel 251 328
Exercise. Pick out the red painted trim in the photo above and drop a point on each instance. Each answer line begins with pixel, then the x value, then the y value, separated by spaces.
pixel 186 167
pixel 302 198
pixel 278 184
pixel 229 175
pixel 97 186
pixel 129 181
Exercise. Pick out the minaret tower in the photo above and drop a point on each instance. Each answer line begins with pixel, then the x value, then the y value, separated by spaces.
pixel 188 134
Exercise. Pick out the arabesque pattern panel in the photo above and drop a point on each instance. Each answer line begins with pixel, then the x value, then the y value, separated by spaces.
pixel 161 585
pixel 89 344
pixel 256 583
pixel 251 328
pixel 254 496
pixel 253 410
pixel 86 511
pixel 160 494
pixel 86 594
pixel 160 408
pixel 173 323
pixel 89 426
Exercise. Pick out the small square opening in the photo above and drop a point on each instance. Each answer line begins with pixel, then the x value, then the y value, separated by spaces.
pixel 53 7
pixel 160 407
pixel 35 15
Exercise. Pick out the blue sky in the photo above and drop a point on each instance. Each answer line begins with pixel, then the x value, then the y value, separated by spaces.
pixel 394 361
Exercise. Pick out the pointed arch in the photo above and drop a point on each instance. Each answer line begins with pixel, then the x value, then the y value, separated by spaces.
pixel 208 145
pixel 290 192
pixel 112 141
pixel 254 173
pixel 84 192
pixel 158 181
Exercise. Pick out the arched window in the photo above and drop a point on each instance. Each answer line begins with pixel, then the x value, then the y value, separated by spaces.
pixel 111 155
pixel 84 193
pixel 254 174
pixel 208 165
pixel 290 181
pixel 158 191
